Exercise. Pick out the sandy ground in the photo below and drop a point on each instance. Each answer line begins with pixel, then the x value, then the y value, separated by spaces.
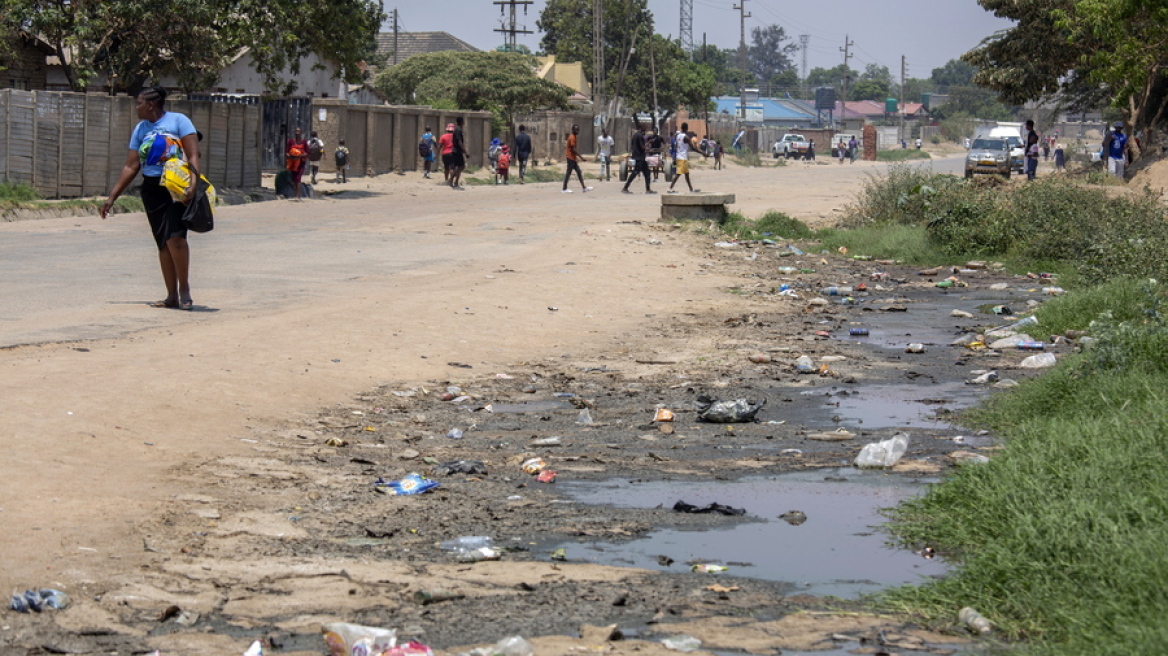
pixel 112 410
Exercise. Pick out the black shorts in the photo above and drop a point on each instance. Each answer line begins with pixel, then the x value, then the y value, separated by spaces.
pixel 164 213
pixel 457 159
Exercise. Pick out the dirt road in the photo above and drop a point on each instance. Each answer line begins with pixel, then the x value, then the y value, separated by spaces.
pixel 116 414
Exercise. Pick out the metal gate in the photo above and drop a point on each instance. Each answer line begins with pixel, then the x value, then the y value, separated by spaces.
pixel 281 118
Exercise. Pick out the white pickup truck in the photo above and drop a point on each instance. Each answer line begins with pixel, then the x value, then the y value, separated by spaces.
pixel 792 145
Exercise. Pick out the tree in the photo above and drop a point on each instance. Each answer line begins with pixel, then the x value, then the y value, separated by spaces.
pixel 954 72
pixel 501 82
pixel 680 81
pixel 769 53
pixel 568 34
pixel 869 89
pixel 831 77
pixel 131 42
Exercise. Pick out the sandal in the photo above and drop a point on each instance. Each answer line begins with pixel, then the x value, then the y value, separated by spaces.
pixel 164 304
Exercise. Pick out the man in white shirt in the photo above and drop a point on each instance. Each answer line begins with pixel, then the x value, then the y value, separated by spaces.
pixel 605 144
pixel 684 142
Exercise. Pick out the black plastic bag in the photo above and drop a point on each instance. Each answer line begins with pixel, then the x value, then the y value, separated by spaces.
pixel 199 216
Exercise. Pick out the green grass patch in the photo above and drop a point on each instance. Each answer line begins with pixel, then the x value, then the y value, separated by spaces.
pixel 17 192
pixel 545 174
pixel 909 244
pixel 749 158
pixel 772 225
pixel 901 155
pixel 1059 539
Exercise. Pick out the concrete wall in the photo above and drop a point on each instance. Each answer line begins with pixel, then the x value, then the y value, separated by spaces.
pixel 69 145
pixel 385 138
pixel 240 77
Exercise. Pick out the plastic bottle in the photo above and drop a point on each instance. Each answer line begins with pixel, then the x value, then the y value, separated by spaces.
pixel 466 543
pixel 858 332
pixel 915 348
pixel 1030 346
pixel 477 555
pixel 836 291
pixel 974 620
pixel 805 365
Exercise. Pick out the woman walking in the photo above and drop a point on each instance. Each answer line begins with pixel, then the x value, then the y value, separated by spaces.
pixel 159 136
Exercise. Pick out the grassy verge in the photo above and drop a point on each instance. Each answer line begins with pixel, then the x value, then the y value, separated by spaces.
pixel 1059 539
pixel 772 225
pixel 17 197
pixel 901 155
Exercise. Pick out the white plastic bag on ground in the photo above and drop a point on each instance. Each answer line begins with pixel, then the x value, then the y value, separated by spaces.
pixel 884 453
pixel 1040 361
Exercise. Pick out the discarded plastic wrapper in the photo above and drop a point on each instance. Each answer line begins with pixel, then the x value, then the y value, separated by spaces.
pixel 1040 361
pixel 477 555
pixel 712 508
pixel 454 467
pixel 37 600
pixel 706 568
pixel 663 415
pixel 547 476
pixel 884 453
pixel 256 649
pixel 533 465
pixel 511 646
pixel 974 620
pixel 344 639
pixel 682 643
pixel 915 348
pixel 727 412
pixel 409 485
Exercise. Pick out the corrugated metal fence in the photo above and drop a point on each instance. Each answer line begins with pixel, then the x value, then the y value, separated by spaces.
pixel 68 145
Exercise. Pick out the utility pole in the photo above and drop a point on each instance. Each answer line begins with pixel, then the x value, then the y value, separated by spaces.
pixel 903 75
pixel 848 43
pixel 804 41
pixel 510 24
pixel 598 55
pixel 395 33
pixel 742 16
pixel 687 27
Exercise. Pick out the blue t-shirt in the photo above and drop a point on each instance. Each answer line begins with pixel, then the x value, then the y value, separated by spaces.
pixel 1118 142
pixel 171 124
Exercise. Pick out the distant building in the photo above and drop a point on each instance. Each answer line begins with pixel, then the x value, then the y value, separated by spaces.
pixel 318 78
pixel 569 74
pixel 416 43
pixel 766 111
pixel 26 70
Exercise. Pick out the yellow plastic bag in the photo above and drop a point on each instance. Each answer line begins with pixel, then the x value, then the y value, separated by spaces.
pixel 176 177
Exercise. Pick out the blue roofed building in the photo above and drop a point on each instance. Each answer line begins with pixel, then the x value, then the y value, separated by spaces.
pixel 774 112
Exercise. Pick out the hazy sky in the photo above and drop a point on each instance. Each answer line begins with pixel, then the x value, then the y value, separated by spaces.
pixel 928 32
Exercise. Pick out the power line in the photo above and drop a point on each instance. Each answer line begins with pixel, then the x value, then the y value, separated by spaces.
pixel 510 26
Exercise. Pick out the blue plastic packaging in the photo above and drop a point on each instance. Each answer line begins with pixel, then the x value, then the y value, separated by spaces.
pixel 409 485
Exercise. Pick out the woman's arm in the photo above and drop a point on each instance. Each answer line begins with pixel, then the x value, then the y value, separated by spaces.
pixel 190 145
pixel 129 171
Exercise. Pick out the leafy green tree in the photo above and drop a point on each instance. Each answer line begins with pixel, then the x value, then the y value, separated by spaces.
pixel 568 34
pixel 680 81
pixel 954 72
pixel 770 53
pixel 501 82
pixel 132 42
pixel 869 89
pixel 831 77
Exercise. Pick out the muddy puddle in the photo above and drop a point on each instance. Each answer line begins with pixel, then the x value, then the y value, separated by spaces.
pixel 894 406
pixel 837 551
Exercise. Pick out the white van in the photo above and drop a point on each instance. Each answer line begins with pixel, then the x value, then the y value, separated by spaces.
pixel 1017 150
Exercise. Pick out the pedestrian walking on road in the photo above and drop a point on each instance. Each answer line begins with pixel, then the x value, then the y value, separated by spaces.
pixel 159 136
pixel 426 148
pixel 685 142
pixel 315 153
pixel 522 151
pixel 446 146
pixel 296 156
pixel 605 144
pixel 638 155
pixel 573 157
pixel 458 161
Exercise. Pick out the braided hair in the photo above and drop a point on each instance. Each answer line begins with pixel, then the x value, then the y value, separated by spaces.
pixel 155 94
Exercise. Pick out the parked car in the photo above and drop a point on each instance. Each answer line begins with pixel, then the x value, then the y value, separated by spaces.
pixel 1017 151
pixel 792 145
pixel 989 156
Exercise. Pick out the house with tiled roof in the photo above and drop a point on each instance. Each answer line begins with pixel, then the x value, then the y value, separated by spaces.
pixel 417 43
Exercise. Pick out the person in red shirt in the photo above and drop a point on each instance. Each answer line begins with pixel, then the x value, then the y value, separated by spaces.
pixel 446 147
pixel 296 153
pixel 574 158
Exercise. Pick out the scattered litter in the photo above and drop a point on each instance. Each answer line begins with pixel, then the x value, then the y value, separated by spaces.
pixel 344 639
pixel 336 442
pixel 460 467
pixel 713 508
pixel 1053 291
pixel 256 649
pixel 1040 361
pixel 858 332
pixel 455 433
pixel 884 453
pixel 410 485
pixel 968 458
pixel 961 314
pixel 555 440
pixel 547 476
pixel 466 543
pixel 759 358
pixel 1000 286
pixel 682 643
pixel 974 620
pixel 37 600
pixel 533 465
pixel 915 348
pixel 707 568
pixel 794 517
pixel 584 418
pixel 726 244
pixel 1010 342
pixel 805 365
pixel 837 435
pixel 727 412
pixel 427 597
pixel 791 452
pixel 663 414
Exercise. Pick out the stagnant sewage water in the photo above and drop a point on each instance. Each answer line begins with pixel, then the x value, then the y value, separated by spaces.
pixel 838 551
